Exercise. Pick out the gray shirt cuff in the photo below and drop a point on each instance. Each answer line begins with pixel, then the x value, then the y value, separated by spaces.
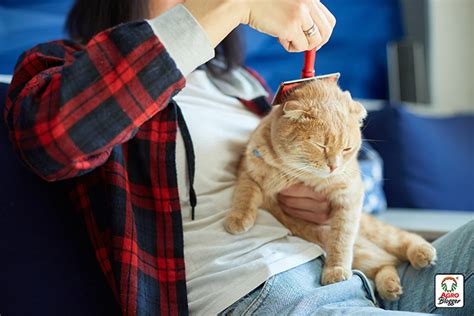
pixel 183 38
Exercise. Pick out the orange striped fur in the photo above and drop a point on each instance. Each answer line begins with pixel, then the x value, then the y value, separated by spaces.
pixel 316 129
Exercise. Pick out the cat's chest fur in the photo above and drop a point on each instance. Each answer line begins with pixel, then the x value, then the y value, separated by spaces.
pixel 271 174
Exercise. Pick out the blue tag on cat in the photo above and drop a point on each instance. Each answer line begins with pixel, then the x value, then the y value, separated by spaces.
pixel 257 153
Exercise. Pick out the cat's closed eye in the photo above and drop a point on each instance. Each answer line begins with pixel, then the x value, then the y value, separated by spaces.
pixel 318 145
pixel 347 149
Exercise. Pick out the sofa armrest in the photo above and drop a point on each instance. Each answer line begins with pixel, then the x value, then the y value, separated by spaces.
pixel 430 224
pixel 5 79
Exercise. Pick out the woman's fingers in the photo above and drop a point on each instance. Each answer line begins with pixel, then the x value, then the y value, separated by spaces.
pixel 304 203
pixel 301 190
pixel 311 29
pixel 319 21
pixel 284 43
pixel 329 15
pixel 299 41
pixel 330 22
pixel 320 218
pixel 290 21
pixel 313 36
pixel 322 22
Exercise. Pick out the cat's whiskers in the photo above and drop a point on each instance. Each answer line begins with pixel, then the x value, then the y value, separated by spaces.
pixel 284 172
pixel 365 146
pixel 372 140
pixel 348 169
pixel 345 174
pixel 290 175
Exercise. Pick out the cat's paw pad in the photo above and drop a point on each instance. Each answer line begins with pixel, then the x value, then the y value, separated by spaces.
pixel 389 288
pixel 236 224
pixel 421 255
pixel 335 274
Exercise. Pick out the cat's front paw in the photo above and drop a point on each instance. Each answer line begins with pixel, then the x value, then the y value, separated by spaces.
pixel 421 255
pixel 388 286
pixel 335 274
pixel 237 223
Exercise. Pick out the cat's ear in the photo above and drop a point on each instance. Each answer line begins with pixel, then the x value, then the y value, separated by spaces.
pixel 358 110
pixel 293 110
pixel 355 108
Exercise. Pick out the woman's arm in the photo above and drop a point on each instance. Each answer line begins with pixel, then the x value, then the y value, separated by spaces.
pixel 284 19
pixel 304 203
pixel 69 105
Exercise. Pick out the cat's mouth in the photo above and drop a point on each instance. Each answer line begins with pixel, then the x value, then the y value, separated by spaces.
pixel 305 170
pixel 322 173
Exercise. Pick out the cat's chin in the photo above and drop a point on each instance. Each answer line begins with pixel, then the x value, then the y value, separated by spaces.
pixel 320 173
pixel 312 172
pixel 324 174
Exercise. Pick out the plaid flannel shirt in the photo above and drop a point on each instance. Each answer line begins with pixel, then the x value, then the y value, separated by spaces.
pixel 101 116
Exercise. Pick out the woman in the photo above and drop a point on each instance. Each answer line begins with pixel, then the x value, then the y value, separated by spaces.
pixel 116 116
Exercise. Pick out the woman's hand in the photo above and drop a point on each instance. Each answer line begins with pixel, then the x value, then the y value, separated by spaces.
pixel 288 20
pixel 285 19
pixel 304 203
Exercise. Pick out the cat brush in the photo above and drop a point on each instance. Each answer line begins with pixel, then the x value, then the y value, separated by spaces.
pixel 307 75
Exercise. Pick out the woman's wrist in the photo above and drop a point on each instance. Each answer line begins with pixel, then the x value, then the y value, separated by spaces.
pixel 183 38
pixel 217 17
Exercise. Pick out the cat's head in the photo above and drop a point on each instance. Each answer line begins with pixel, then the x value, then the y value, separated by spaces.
pixel 317 129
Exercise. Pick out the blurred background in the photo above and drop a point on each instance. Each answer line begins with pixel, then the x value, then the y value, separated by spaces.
pixel 400 50
pixel 410 62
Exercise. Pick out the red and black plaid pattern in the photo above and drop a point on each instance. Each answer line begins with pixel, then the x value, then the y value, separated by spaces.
pixel 100 116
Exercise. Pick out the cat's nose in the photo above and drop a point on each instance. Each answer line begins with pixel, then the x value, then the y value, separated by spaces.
pixel 332 167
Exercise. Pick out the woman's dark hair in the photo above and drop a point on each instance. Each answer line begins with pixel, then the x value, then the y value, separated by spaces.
pixel 89 17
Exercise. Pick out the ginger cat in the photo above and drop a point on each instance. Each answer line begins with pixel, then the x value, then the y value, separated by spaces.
pixel 314 138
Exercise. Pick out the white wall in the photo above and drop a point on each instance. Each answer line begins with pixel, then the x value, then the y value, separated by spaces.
pixel 451 50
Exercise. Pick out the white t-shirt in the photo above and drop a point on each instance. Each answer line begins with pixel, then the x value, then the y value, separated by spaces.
pixel 220 267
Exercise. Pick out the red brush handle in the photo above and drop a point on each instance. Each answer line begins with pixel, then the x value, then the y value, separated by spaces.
pixel 309 59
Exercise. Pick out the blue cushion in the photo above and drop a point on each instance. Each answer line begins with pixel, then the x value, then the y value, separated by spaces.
pixel 427 160
pixel 371 166
pixel 48 265
pixel 357 48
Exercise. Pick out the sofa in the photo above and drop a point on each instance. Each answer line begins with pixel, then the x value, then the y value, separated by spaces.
pixel 48 265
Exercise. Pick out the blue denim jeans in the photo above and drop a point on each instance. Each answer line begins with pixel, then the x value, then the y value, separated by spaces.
pixel 299 292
